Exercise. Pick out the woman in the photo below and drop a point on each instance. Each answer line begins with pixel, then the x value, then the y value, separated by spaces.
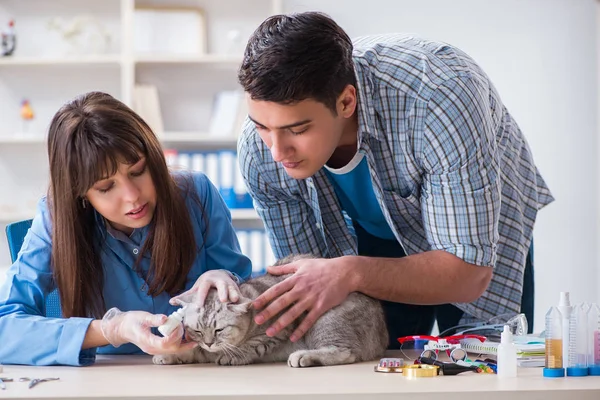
pixel 116 232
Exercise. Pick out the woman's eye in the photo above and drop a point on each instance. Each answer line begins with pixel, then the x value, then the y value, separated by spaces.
pixel 138 173
pixel 105 189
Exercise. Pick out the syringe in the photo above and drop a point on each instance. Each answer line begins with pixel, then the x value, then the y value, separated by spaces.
pixel 578 341
pixel 594 340
pixel 554 344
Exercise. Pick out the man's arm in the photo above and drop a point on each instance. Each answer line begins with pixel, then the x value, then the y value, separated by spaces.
pixel 433 277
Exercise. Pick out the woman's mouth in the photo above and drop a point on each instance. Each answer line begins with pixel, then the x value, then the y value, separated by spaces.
pixel 139 212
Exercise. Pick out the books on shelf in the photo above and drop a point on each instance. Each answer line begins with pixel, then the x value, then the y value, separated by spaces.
pixel 228 114
pixel 147 105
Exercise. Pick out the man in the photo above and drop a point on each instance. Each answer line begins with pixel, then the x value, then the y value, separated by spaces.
pixel 394 160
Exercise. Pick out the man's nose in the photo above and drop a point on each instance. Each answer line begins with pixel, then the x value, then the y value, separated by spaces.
pixel 279 148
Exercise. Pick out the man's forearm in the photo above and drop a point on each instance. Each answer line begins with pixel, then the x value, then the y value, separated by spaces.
pixel 433 277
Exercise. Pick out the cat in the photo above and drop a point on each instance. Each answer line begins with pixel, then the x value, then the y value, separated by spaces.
pixel 226 333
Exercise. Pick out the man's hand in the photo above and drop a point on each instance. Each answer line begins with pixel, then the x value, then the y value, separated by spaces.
pixel 316 286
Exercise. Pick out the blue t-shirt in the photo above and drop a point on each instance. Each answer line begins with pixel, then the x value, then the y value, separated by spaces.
pixel 28 337
pixel 354 189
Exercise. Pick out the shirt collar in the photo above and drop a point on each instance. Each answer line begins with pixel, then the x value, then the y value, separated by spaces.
pixel 366 109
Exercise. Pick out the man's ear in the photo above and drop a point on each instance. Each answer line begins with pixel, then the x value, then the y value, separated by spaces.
pixel 241 307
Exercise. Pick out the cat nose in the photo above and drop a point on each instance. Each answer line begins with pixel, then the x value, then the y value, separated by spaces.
pixel 208 344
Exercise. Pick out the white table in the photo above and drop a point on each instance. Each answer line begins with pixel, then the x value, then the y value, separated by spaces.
pixel 135 377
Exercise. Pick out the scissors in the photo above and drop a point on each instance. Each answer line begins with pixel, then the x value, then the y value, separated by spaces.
pixel 35 381
pixel 2 380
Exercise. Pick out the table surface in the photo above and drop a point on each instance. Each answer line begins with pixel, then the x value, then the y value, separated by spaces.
pixel 135 377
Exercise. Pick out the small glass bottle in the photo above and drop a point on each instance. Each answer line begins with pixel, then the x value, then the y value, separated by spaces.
pixel 578 341
pixel 594 340
pixel 554 344
pixel 174 320
pixel 507 355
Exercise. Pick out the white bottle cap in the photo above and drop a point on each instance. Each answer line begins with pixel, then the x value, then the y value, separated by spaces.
pixel 506 335
pixel 565 301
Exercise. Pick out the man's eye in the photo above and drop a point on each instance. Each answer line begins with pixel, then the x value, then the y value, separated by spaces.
pixel 293 132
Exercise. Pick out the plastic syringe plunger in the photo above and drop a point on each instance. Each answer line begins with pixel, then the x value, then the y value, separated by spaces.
pixel 554 344
pixel 174 320
pixel 564 306
pixel 578 341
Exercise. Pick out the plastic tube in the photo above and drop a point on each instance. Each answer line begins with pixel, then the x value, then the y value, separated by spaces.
pixel 554 344
pixel 594 340
pixel 578 341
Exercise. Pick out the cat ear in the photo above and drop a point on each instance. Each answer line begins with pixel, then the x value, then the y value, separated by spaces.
pixel 184 299
pixel 241 307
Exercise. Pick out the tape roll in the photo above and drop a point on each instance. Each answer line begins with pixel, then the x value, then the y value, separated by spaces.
pixel 420 371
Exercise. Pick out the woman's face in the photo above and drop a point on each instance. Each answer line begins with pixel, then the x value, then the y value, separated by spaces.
pixel 127 199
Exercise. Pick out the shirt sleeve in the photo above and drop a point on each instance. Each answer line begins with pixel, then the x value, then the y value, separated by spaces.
pixel 290 223
pixel 26 335
pixel 461 189
pixel 221 243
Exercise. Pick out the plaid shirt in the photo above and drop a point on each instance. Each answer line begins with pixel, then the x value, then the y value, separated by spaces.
pixel 450 168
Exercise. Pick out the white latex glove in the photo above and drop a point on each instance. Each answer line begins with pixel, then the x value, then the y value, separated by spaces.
pixel 221 279
pixel 134 327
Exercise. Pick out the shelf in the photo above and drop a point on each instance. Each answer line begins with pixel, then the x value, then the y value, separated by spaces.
pixel 201 59
pixel 247 214
pixel 170 138
pixel 244 214
pixel 197 138
pixel 108 59
pixel 18 139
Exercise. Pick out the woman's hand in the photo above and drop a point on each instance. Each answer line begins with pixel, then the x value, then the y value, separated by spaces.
pixel 221 279
pixel 134 327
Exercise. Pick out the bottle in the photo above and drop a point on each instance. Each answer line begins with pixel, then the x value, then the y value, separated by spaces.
pixel 564 306
pixel 507 355
pixel 578 341
pixel 173 321
pixel 594 340
pixel 554 344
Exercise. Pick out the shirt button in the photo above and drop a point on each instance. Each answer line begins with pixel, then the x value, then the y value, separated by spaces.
pixel 135 251
pixel 318 225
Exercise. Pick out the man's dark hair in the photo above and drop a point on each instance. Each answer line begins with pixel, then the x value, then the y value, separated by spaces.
pixel 290 58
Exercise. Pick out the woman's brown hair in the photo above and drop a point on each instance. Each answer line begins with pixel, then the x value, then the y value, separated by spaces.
pixel 88 138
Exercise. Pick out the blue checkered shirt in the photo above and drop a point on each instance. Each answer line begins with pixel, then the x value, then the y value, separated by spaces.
pixel 450 168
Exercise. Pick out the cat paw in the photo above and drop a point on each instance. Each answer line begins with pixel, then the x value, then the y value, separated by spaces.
pixel 226 359
pixel 166 359
pixel 304 358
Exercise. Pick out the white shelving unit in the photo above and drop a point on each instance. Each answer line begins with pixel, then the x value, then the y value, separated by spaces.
pixel 47 72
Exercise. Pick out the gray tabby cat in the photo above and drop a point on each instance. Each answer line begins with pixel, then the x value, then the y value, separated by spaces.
pixel 227 334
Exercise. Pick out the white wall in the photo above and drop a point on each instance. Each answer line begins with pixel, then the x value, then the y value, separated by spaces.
pixel 541 55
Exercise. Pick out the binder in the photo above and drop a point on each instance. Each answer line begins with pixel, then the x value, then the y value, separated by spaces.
pixel 227 175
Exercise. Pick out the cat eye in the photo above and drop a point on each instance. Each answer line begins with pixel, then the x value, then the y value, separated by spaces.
pixel 219 330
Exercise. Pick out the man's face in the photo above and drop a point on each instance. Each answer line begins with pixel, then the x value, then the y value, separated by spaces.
pixel 127 199
pixel 301 136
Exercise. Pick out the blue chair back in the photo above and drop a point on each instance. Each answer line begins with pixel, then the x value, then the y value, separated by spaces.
pixel 15 234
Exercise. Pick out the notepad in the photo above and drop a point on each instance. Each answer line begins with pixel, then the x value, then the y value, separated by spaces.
pixel 491 348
